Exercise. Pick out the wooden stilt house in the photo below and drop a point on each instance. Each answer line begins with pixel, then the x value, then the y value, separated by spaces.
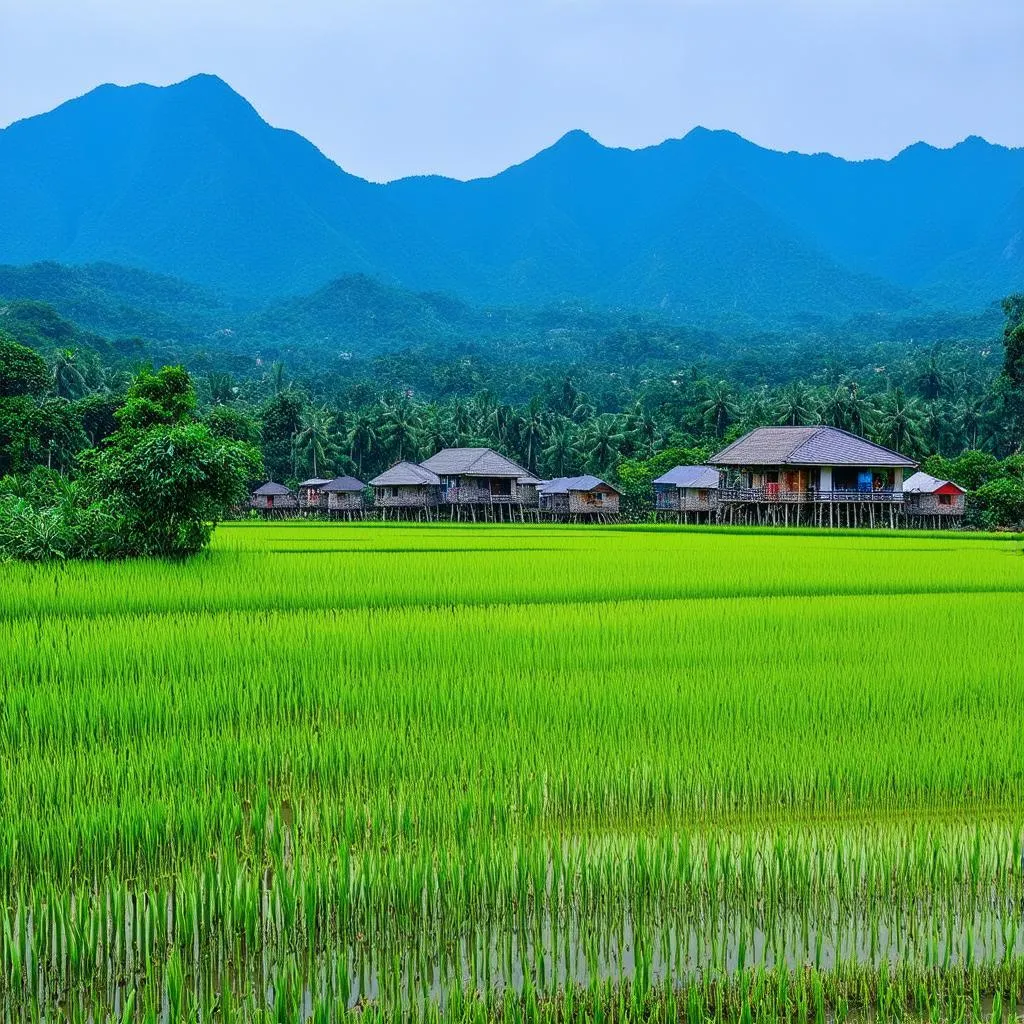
pixel 311 494
pixel 406 491
pixel 274 499
pixel 811 476
pixel 687 494
pixel 346 497
pixel 480 483
pixel 579 499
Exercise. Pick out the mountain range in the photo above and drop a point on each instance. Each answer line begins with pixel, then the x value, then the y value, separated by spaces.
pixel 188 180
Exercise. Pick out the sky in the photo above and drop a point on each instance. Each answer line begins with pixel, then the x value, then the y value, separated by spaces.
pixel 388 88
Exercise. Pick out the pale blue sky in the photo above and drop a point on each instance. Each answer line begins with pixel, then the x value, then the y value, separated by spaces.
pixel 466 87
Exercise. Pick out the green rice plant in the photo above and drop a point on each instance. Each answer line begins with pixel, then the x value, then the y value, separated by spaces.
pixel 527 773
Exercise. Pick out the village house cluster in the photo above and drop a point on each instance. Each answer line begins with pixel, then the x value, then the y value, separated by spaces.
pixel 799 476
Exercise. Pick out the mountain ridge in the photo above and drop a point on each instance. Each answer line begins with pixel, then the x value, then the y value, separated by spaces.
pixel 189 180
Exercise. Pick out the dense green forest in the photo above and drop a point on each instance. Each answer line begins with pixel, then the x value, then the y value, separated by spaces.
pixel 562 389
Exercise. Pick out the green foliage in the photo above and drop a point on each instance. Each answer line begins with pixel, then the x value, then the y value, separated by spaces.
pixel 170 484
pixel 156 486
pixel 1013 338
pixel 22 371
pixel 635 475
pixel 233 424
pixel 157 399
pixel 1000 502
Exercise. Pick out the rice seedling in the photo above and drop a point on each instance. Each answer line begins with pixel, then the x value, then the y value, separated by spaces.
pixel 537 774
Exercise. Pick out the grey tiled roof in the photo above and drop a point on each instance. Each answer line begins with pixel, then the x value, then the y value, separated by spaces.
pixel 405 474
pixel 271 488
pixel 344 483
pixel 473 462
pixel 922 483
pixel 564 484
pixel 806 446
pixel 703 477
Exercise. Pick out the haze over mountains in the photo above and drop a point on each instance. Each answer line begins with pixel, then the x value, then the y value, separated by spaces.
pixel 189 181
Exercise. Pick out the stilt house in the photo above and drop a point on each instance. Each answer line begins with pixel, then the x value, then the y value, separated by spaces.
pixel 817 475
pixel 480 478
pixel 583 497
pixel 345 496
pixel 687 492
pixel 311 496
pixel 406 491
pixel 927 496
pixel 273 498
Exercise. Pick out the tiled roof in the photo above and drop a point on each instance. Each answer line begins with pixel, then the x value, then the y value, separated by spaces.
pixel 564 484
pixel 344 483
pixel 807 446
pixel 703 477
pixel 271 488
pixel 405 474
pixel 473 462
pixel 922 483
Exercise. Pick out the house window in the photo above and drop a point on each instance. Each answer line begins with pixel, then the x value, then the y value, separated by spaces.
pixel 394 492
pixel 702 494
pixel 945 499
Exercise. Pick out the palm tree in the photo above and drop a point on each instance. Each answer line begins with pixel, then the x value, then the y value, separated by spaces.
pixel 532 431
pixel 835 407
pixel 401 426
pixel 435 431
pixel 971 413
pixel 362 438
pixel 931 379
pixel 461 423
pixel 604 436
pixel 641 430
pixel 797 407
pixel 313 434
pixel 68 381
pixel 562 448
pixel 719 407
pixel 757 409
pixel 277 377
pixel 899 425
pixel 222 389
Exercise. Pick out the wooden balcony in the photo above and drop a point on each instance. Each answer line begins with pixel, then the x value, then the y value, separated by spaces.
pixel 772 494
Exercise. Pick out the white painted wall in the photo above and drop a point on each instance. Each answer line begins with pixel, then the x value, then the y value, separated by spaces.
pixel 826 478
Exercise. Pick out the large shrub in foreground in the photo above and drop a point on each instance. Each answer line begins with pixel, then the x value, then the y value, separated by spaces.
pixel 170 484
pixel 156 486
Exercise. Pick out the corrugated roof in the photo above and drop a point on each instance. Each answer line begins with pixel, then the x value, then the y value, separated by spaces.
pixel 702 477
pixel 806 446
pixel 271 488
pixel 564 484
pixel 315 481
pixel 473 462
pixel 405 474
pixel 922 483
pixel 344 483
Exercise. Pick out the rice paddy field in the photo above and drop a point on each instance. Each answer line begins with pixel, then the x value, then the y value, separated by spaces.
pixel 516 773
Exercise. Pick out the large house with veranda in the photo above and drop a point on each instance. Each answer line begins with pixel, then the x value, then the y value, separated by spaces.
pixel 810 475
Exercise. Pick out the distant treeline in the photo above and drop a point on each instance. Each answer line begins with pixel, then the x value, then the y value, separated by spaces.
pixel 612 413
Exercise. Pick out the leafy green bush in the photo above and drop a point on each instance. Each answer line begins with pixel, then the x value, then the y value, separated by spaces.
pixel 156 486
